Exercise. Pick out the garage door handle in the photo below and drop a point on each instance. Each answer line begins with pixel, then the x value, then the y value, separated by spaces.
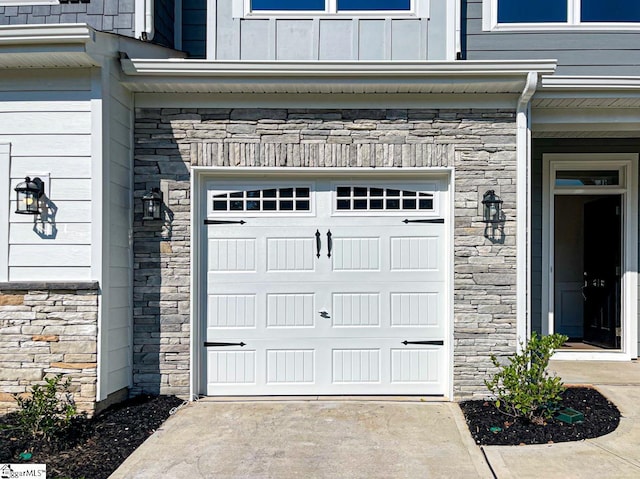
pixel 329 244
pixel 318 243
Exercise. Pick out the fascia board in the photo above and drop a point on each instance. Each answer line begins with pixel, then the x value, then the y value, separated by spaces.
pixel 248 69
pixel 46 34
pixel 590 82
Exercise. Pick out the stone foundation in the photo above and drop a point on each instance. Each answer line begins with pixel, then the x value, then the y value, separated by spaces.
pixel 47 329
pixel 479 145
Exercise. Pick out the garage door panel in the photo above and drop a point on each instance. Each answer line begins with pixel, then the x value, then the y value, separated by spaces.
pixel 411 366
pixel 291 310
pixel 415 309
pixel 388 310
pixel 356 366
pixel 415 254
pixel 231 311
pixel 309 366
pixel 356 254
pixel 231 367
pixel 290 254
pixel 232 255
pixel 355 309
pixel 291 366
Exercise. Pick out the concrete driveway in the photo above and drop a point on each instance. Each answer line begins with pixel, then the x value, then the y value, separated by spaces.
pixel 381 439
pixel 310 439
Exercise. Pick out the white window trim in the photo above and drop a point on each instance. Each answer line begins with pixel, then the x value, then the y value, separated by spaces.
pixel 242 9
pixel 490 21
pixel 18 3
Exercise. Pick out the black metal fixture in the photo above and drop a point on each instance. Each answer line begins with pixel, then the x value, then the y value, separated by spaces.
pixel 152 205
pixel 223 222
pixel 492 208
pixel 28 194
pixel 220 345
pixel 435 342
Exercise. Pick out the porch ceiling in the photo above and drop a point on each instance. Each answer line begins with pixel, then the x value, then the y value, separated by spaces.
pixel 586 107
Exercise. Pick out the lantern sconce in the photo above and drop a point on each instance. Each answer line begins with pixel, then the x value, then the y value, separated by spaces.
pixel 28 194
pixel 152 205
pixel 491 208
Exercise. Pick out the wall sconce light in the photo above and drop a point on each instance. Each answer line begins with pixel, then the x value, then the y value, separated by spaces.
pixel 152 205
pixel 28 194
pixel 492 208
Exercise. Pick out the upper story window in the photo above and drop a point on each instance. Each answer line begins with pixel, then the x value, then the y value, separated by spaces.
pixel 330 6
pixel 559 14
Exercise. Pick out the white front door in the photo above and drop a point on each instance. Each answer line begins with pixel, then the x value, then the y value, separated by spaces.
pixel 324 288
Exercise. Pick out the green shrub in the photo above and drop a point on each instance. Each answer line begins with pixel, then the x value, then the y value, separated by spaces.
pixel 48 410
pixel 524 388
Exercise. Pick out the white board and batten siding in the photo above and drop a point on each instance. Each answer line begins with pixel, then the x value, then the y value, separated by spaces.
pixel 320 287
pixel 46 120
pixel 235 34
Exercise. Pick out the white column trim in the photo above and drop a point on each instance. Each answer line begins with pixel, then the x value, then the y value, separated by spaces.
pixel 5 206
pixel 97 212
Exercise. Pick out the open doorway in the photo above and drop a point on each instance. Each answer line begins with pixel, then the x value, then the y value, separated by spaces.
pixel 590 254
pixel 588 265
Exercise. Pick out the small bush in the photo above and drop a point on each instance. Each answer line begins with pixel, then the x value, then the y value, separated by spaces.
pixel 48 410
pixel 524 388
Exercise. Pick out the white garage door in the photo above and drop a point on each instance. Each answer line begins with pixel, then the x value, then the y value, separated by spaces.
pixel 326 288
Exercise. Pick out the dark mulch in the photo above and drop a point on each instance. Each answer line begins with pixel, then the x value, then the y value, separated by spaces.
pixel 600 417
pixel 91 448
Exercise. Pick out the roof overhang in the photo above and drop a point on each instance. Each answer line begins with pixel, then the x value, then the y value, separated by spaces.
pixel 47 46
pixel 316 77
pixel 66 46
pixel 587 106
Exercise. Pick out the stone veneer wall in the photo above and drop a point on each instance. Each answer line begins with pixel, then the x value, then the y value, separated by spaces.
pixel 46 329
pixel 479 144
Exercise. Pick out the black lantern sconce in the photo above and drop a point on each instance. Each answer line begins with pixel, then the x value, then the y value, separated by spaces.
pixel 28 194
pixel 152 205
pixel 491 208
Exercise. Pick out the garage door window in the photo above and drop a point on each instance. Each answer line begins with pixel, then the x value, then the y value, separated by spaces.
pixel 267 200
pixel 362 198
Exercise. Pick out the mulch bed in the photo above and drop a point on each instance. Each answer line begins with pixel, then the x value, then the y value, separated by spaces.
pixel 91 448
pixel 601 417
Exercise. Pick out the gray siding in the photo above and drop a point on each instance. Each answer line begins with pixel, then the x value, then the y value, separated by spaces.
pixel 578 53
pixel 326 38
pixel 115 16
pixel 540 147
pixel 194 27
